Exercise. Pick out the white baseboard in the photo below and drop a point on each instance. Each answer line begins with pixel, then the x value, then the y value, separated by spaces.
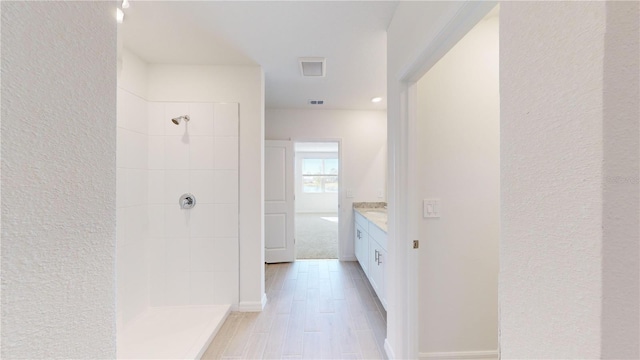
pixel 253 306
pixel 461 355
pixel 349 258
pixel 389 350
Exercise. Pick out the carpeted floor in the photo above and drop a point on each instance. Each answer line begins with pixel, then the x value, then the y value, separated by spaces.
pixel 316 236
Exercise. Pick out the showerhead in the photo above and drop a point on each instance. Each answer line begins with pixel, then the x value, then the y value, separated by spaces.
pixel 178 119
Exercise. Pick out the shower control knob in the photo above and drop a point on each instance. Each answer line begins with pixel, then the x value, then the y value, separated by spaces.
pixel 187 201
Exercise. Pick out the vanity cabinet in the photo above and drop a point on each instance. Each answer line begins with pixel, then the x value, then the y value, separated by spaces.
pixel 362 247
pixel 371 252
pixel 377 261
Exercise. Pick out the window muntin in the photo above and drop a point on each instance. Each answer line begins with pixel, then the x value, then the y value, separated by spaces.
pixel 319 175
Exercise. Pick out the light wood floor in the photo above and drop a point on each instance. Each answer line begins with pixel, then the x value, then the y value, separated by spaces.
pixel 316 309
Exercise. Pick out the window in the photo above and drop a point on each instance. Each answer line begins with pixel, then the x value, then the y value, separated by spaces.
pixel 319 175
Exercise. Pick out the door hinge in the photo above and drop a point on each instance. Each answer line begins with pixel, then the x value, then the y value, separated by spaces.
pixel 416 244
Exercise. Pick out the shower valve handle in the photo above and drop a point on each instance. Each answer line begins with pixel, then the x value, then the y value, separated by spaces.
pixel 187 201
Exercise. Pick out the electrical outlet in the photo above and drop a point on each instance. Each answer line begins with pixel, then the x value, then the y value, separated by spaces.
pixel 349 193
pixel 380 193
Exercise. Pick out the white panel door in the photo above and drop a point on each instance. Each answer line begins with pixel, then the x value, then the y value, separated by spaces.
pixel 278 202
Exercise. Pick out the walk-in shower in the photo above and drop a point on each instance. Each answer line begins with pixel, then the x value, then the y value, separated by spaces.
pixel 177 262
pixel 178 119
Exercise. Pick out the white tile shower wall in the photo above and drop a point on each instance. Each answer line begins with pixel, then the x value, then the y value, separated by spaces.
pixel 193 254
pixel 132 208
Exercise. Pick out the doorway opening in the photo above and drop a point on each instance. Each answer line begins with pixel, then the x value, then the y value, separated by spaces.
pixel 317 188
pixel 455 170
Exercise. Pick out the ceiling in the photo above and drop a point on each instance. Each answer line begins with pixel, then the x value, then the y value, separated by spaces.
pixel 351 35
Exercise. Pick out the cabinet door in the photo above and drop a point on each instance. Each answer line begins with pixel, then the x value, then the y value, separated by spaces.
pixel 382 267
pixel 362 247
pixel 376 276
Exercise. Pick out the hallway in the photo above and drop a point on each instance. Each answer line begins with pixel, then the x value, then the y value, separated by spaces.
pixel 317 309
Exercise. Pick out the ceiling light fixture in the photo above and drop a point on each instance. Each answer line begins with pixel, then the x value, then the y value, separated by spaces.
pixel 313 66
pixel 376 99
pixel 125 4
pixel 119 15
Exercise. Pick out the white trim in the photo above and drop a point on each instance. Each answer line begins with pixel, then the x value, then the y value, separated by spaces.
pixel 341 241
pixel 250 306
pixel 389 350
pixel 253 306
pixel 484 354
pixel 460 23
pixel 412 222
pixel 349 258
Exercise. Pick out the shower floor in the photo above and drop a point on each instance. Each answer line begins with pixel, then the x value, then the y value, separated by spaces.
pixel 181 332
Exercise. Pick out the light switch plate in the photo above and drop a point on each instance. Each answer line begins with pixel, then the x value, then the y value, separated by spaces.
pixel 431 208
pixel 349 193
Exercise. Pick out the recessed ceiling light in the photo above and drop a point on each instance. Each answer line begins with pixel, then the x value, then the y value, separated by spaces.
pixel 376 99
pixel 125 4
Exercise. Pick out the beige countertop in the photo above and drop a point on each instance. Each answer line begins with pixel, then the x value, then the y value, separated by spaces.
pixel 376 213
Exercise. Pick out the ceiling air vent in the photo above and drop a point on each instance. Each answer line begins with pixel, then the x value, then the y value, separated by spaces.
pixel 313 66
pixel 316 102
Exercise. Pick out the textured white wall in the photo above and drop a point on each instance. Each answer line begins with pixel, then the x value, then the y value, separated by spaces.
pixel 552 198
pixel 59 180
pixel 551 84
pixel 458 161
pixel 233 84
pixel 363 135
pixel 569 274
pixel 621 191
